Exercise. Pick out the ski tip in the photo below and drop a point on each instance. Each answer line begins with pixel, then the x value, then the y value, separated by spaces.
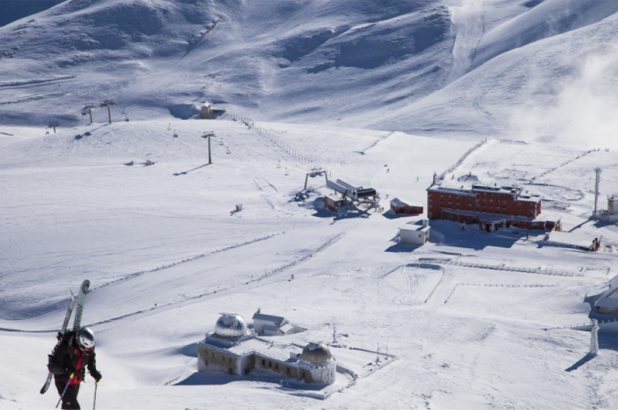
pixel 85 286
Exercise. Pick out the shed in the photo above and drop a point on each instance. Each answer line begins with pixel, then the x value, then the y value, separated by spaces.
pixel 333 203
pixel 399 206
pixel 268 324
pixel 414 234
pixel 572 240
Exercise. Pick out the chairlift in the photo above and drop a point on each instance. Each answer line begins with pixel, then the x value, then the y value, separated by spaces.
pixel 175 134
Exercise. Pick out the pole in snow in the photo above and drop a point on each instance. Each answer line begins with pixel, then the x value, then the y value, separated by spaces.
pixel 88 107
pixel 594 337
pixel 96 386
pixel 207 135
pixel 596 189
pixel 53 125
pixel 108 104
pixel 65 389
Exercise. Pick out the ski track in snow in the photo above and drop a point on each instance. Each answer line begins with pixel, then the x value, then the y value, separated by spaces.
pixel 191 259
pixel 222 292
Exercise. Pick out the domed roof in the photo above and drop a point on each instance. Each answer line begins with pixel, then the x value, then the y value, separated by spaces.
pixel 316 353
pixel 230 325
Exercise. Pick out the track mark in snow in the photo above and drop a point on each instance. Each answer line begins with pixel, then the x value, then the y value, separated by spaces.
pixel 463 158
pixel 304 258
pixel 412 284
pixel 191 259
pixel 225 291
pixel 363 152
pixel 33 98
pixel 34 82
pixel 583 154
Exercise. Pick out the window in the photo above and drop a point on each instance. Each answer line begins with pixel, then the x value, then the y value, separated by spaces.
pixel 263 362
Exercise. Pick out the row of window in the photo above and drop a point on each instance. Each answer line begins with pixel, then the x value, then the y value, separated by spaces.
pixel 287 369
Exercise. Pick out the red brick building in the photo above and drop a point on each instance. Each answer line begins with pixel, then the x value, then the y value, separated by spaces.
pixel 400 206
pixel 490 207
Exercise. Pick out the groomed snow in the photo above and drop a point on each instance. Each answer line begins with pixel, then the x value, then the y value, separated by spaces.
pixel 379 94
pixel 166 254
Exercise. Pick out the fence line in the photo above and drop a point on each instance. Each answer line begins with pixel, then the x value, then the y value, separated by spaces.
pixel 463 158
pixel 582 326
pixel 536 271
pixel 496 285
pixel 583 154
pixel 301 259
pixel 251 124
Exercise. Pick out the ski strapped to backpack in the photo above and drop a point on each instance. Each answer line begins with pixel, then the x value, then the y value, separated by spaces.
pixel 81 299
pixel 60 334
pixel 79 310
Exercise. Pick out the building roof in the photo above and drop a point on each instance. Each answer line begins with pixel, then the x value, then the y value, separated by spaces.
pixel 316 353
pixel 230 325
pixel 399 202
pixel 415 228
pixel 506 190
pixel 268 318
pixel 334 198
pixel 578 239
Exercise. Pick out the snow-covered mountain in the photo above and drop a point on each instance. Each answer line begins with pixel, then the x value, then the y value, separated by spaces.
pixel 470 320
pixel 463 67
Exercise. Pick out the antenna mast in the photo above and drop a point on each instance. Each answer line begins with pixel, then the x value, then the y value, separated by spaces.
pixel 596 189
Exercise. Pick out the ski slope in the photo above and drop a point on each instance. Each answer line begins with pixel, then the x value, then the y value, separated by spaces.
pixel 165 254
pixel 379 94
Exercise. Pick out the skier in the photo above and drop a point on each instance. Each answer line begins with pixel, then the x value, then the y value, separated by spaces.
pixel 74 353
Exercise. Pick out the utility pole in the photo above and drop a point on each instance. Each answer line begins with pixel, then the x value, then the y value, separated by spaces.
pixel 108 104
pixel 88 107
pixel 596 189
pixel 207 135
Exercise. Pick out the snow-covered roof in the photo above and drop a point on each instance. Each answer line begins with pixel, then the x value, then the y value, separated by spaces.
pixel 415 228
pixel 507 190
pixel 268 318
pixel 399 202
pixel 578 239
pixel 276 351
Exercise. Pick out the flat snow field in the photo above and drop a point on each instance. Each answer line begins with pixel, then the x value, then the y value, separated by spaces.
pixel 475 320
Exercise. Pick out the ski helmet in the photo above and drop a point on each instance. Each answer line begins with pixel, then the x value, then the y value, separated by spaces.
pixel 85 338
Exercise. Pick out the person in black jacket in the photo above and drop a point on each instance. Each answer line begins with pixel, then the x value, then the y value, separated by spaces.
pixel 70 358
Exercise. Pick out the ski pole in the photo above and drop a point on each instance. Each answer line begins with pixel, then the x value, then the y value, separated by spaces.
pixel 94 404
pixel 65 389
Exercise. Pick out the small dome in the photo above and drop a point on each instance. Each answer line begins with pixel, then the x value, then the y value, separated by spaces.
pixel 316 353
pixel 230 325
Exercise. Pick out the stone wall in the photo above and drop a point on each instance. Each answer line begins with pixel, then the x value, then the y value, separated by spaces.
pixel 215 360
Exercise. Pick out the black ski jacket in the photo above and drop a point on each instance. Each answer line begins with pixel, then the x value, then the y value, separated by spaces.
pixel 64 358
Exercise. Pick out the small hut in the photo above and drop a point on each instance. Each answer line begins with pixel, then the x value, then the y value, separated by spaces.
pixel 399 206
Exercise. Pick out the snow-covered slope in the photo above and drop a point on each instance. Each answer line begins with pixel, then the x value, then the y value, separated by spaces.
pixel 428 67
pixel 472 319
pixel 464 315
pixel 561 89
